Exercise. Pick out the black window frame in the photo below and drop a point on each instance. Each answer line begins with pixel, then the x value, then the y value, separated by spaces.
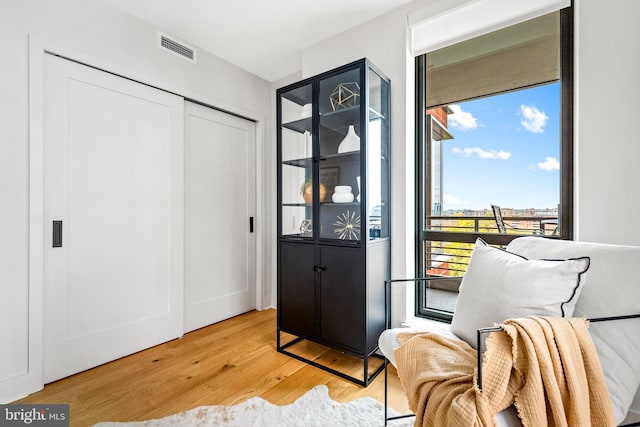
pixel 565 213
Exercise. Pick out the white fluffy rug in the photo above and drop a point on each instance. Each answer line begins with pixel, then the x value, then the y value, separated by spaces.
pixel 314 409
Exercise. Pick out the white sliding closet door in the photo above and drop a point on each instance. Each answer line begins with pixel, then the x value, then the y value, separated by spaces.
pixel 220 202
pixel 114 176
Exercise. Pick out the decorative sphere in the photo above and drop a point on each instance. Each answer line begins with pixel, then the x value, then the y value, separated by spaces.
pixel 307 192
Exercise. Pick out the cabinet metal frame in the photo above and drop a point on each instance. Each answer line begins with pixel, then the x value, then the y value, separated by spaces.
pixel 298 93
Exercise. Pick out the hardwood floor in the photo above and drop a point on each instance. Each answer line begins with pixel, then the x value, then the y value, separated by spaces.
pixel 225 363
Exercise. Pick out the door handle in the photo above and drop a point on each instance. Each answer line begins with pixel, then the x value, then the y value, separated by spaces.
pixel 250 224
pixel 318 269
pixel 57 234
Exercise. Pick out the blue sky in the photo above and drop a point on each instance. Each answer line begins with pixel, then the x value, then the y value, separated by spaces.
pixel 505 151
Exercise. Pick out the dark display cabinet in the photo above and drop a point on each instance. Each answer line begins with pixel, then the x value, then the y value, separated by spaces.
pixel 333 215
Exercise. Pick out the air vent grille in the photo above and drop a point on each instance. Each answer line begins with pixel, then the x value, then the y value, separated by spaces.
pixel 176 47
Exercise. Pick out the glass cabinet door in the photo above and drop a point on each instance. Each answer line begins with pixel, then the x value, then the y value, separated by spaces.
pixel 339 101
pixel 377 209
pixel 296 154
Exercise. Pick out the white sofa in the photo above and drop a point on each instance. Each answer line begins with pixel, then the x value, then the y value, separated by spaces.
pixel 610 287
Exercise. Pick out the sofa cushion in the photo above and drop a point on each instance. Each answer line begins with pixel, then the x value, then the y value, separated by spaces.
pixel 388 340
pixel 499 285
pixel 612 288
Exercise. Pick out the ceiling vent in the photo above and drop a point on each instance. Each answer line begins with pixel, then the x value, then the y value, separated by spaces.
pixel 176 47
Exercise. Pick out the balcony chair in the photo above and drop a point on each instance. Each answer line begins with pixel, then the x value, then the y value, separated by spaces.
pixel 497 214
pixel 502 284
pixel 502 226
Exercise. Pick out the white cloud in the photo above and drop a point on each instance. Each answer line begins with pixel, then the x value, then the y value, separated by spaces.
pixel 460 119
pixel 482 154
pixel 450 199
pixel 453 202
pixel 549 164
pixel 533 119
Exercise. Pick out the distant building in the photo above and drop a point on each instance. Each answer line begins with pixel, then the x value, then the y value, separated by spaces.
pixel 437 122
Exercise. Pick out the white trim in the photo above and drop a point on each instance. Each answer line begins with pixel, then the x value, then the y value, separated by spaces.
pixel 438 26
pixel 406 267
pixel 435 10
pixel 259 220
pixel 577 30
pixel 33 380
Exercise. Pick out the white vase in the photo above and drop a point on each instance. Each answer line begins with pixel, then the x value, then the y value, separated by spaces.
pixel 308 144
pixel 358 180
pixel 351 141
pixel 342 194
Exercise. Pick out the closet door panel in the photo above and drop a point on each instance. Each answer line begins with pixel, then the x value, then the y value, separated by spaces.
pixel 114 187
pixel 220 202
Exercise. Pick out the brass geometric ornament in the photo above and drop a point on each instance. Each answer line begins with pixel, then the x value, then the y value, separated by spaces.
pixel 345 95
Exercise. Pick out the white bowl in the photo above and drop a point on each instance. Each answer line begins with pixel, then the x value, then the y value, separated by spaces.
pixel 342 189
pixel 342 197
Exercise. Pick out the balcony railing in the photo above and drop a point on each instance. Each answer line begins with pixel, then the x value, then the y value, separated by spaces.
pixel 447 257
pixel 535 225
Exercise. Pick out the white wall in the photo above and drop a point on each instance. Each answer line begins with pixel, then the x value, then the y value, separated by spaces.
pixel 608 129
pixel 101 35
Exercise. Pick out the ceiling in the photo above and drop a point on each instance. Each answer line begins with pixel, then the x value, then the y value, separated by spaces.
pixel 264 37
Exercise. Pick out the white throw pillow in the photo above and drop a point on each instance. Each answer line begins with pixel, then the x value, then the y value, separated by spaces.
pixel 499 285
pixel 613 289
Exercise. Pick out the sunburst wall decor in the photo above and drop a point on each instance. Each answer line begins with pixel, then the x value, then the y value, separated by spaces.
pixel 348 226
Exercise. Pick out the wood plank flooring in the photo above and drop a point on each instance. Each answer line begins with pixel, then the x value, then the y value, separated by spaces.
pixel 225 363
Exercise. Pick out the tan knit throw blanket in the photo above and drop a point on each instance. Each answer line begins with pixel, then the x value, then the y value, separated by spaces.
pixel 547 367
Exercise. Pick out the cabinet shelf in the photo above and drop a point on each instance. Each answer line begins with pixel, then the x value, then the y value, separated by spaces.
pixel 332 204
pixel 299 126
pixel 300 96
pixel 351 156
pixel 301 163
pixel 305 162
pixel 307 205
pixel 337 121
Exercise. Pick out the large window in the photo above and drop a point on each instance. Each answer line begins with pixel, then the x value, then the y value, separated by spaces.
pixel 494 147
